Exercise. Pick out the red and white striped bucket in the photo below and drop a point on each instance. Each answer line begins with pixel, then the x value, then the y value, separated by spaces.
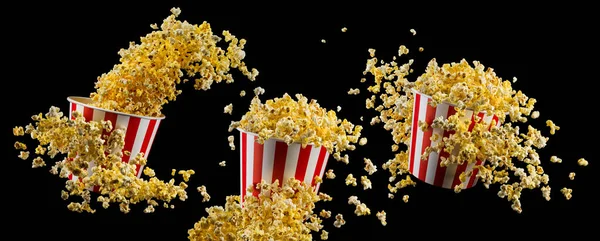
pixel 429 170
pixel 139 130
pixel 276 160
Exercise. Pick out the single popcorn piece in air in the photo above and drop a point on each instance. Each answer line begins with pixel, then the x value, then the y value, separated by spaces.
pixel 351 180
pixel 231 140
pixel 344 29
pixel 582 162
pixel 572 176
pixel 567 192
pixel 222 163
pixel 381 215
pixel 329 174
pixel 324 235
pixel 553 127
pixel 421 49
pixel 369 166
pixel 405 198
pixel 339 220
pixel 242 93
pixel 414 32
pixel 535 114
pixel 323 41
pixel 362 141
pixel 228 109
pixel 259 91
pixel 354 91
pixel 18 130
pixel 325 214
pixel 555 159
pixel 364 180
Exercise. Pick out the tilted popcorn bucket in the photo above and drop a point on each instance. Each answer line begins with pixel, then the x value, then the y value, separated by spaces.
pixel 429 170
pixel 276 160
pixel 139 130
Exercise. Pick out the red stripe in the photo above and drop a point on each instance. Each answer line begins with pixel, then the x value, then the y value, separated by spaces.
pixel 474 174
pixel 429 116
pixel 415 128
pixel 440 172
pixel 132 128
pixel 96 188
pixel 320 162
pixel 70 176
pixel 88 114
pixel 244 143
pixel 73 108
pixel 258 162
pixel 302 162
pixel 281 149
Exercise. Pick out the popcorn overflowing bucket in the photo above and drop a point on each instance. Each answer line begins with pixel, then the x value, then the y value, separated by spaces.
pixel 429 170
pixel 139 130
pixel 276 160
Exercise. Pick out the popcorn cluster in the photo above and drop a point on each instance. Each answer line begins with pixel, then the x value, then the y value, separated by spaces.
pixel 278 213
pixel 299 121
pixel 95 158
pixel 149 72
pixel 510 154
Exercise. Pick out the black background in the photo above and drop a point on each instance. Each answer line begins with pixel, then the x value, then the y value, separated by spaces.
pixel 55 50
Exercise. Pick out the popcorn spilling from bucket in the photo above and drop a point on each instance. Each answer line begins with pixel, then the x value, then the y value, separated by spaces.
pixel 460 123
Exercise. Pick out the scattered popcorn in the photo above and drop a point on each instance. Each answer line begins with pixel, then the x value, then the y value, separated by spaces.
pixel 18 131
pixel 421 49
pixel 259 91
pixel 572 176
pixel 555 159
pixel 38 162
pixel 231 140
pixel 582 162
pixel 405 198
pixel 324 197
pixel 361 118
pixel 24 155
pixel 364 180
pixel 186 174
pixel 414 32
pixel 278 213
pixel 339 108
pixel 228 109
pixel 381 216
pixel 362 141
pixel 535 114
pixel 546 192
pixel 369 167
pixel 567 192
pixel 149 172
pixel 205 195
pixel 553 127
pixel 154 26
pixel 222 163
pixel 329 174
pixel 350 180
pixel 242 93
pixel 318 179
pixel 324 235
pixel 325 214
pixel 390 196
pixel 514 80
pixel 339 220
pixel 354 91
pixel 362 80
pixel 149 209
pixel 20 146
pixel 323 41
pixel 173 172
pixel 344 29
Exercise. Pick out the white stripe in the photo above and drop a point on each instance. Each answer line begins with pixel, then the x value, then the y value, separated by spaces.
pixel 469 168
pixel 322 170
pixel 433 162
pixel 249 162
pixel 156 125
pixel 139 137
pixel 419 146
pixel 242 192
pixel 268 161
pixel 467 116
pixel 291 161
pixel 449 176
pixel 312 164
pixel 122 123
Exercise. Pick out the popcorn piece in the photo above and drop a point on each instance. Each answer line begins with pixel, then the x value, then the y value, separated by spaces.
pixel 231 140
pixel 350 180
pixel 149 209
pixel 259 91
pixel 582 162
pixel 154 26
pixel 38 162
pixel 371 52
pixel 362 80
pixel 414 32
pixel 555 159
pixel 354 91
pixel 186 174
pixel 173 171
pixel 362 210
pixel 20 146
pixel 535 114
pixel 18 131
pixel 324 235
pixel 369 167
pixel 344 29
pixel 362 141
pixel 353 200
pixel 390 196
pixel 24 155
pixel 567 192
pixel 205 195
pixel 329 174
pixel 339 221
pixel 339 108
pixel 546 192
pixel 364 180
pixel 323 41
pixel 553 127
pixel 228 109
pixel 572 176
pixel 381 216
pixel 325 214
pixel 318 179
pixel 421 49
pixel 242 93
pixel 222 163
pixel 324 197
pixel 405 198
pixel 514 79
pixel 149 172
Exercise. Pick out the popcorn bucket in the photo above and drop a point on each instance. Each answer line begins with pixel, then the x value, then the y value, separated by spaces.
pixel 276 160
pixel 139 130
pixel 429 170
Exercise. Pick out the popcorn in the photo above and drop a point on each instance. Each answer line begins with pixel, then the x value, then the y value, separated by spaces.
pixel 572 176
pixel 390 196
pixel 173 171
pixel 364 180
pixel 205 195
pixel 553 127
pixel 222 163
pixel 535 114
pixel 582 162
pixel 149 172
pixel 150 72
pixel 275 214
pixel 18 131
pixel 353 200
pixel 324 197
pixel 325 214
pixel 381 215
pixel 323 41
pixel 228 109
pixel 344 29
pixel 514 80
pixel 24 155
pixel 414 32
pixel 555 159
pixel 362 141
pixel 329 174
pixel 354 91
pixel 324 235
pixel 20 146
pixel 546 192
pixel 231 140
pixel 421 49
pixel 339 220
pixel 339 108
pixel 242 93
pixel 186 174
pixel 369 167
pixel 259 91
pixel 350 180
pixel 405 198
pixel 149 209
pixel 567 192
pixel 38 162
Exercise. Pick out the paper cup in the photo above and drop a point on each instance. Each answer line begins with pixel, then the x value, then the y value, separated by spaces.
pixel 139 130
pixel 276 160
pixel 429 170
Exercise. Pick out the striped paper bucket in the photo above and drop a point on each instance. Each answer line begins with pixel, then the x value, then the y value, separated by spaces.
pixel 276 160
pixel 429 170
pixel 139 130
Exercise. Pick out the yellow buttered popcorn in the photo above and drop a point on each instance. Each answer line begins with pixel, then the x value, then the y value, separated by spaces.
pixel 364 180
pixel 351 180
pixel 18 131
pixel 329 174
pixel 339 220
pixel 582 162
pixel 228 109
pixel 381 215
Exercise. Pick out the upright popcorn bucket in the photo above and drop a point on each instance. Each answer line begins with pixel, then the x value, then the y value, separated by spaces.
pixel 429 170
pixel 276 160
pixel 139 130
